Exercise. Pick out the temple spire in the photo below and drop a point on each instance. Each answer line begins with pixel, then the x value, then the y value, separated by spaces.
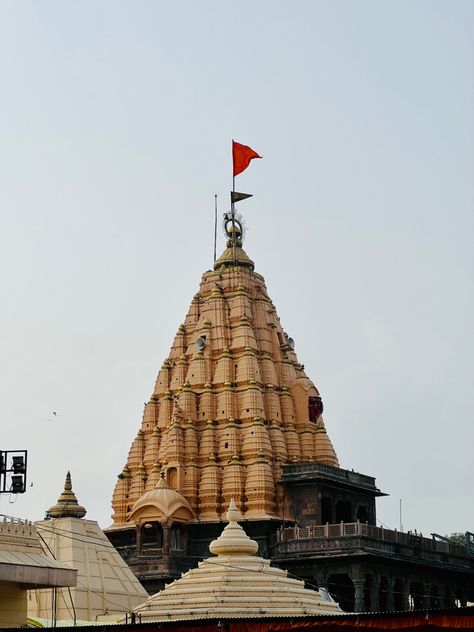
pixel 232 396
pixel 67 505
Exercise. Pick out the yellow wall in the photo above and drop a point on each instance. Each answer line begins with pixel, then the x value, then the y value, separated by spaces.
pixel 13 605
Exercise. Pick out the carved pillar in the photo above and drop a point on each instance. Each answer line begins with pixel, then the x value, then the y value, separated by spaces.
pixel 319 576
pixel 184 541
pixel 441 598
pixel 138 530
pixel 375 594
pixel 166 538
pixel 426 597
pixel 405 595
pixel 448 597
pixel 359 603
pixel 390 598
pixel 371 516
pixel 333 511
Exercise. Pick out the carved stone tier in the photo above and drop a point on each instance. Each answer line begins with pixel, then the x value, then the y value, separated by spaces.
pixel 231 405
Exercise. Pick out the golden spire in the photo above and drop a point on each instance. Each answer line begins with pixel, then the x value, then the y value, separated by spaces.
pixel 67 505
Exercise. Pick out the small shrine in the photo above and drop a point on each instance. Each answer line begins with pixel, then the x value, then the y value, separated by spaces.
pixel 235 584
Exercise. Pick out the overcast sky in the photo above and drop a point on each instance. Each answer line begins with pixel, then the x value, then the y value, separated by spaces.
pixel 115 131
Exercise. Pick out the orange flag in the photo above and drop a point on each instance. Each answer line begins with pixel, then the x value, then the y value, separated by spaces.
pixel 241 156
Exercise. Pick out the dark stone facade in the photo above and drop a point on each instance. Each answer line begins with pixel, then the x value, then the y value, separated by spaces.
pixel 329 538
pixel 367 568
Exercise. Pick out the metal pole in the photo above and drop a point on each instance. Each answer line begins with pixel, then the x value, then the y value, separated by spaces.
pixel 215 226
pixel 233 174
pixel 232 206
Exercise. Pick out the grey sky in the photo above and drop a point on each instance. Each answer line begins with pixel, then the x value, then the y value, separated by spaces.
pixel 115 129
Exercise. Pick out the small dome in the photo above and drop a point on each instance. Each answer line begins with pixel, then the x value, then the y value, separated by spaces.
pixel 162 503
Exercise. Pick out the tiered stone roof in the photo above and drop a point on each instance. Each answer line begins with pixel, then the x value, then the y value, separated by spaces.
pixel 235 584
pixel 231 404
pixel 104 581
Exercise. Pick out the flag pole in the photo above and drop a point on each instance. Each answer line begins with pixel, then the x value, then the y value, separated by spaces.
pixel 232 204
pixel 232 207
pixel 244 155
pixel 215 227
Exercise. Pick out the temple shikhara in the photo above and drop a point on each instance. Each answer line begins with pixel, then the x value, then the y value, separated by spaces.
pixel 231 405
pixel 233 416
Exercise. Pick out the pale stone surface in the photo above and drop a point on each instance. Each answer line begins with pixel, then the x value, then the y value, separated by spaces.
pixel 104 581
pixel 235 584
pixel 12 605
pixel 23 563
pixel 229 407
pixel 163 501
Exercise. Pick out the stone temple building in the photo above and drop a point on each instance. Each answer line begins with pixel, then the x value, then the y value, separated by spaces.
pixel 235 584
pixel 105 584
pixel 234 415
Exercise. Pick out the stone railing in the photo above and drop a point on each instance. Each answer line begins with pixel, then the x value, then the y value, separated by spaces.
pixel 16 526
pixel 18 535
pixel 148 552
pixel 347 536
pixel 314 469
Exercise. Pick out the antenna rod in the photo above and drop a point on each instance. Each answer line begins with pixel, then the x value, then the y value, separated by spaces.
pixel 215 226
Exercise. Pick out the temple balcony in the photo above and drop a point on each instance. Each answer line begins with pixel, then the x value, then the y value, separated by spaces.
pixel 309 472
pixel 344 539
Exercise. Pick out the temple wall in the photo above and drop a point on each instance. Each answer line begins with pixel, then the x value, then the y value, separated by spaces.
pixel 13 605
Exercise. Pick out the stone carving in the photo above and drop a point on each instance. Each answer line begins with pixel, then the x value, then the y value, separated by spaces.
pixel 222 417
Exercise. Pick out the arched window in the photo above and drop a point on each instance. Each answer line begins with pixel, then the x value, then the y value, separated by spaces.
pixel 343 511
pixel 172 477
pixel 326 510
pixel 362 513
pixel 315 407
